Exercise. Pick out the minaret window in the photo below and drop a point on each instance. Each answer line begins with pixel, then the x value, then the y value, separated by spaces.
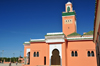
pixel 66 20
pixel 68 9
pixel 88 53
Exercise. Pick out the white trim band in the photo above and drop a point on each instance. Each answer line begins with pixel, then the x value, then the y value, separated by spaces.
pixel 26 42
pixel 37 39
pixel 80 38
pixel 55 33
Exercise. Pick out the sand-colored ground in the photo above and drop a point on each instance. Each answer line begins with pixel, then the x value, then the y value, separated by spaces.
pixel 13 64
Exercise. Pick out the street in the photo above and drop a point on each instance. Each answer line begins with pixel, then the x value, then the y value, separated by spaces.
pixel 13 64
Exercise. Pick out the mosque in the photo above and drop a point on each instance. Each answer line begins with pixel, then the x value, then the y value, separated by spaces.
pixel 66 48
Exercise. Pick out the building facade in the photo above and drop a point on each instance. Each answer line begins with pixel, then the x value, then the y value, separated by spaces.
pixel 66 48
pixel 96 36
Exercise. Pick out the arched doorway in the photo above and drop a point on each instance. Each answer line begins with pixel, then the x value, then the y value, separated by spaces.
pixel 28 57
pixel 55 58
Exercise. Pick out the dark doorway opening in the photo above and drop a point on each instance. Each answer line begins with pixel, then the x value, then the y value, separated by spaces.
pixel 28 57
pixel 55 58
pixel 44 60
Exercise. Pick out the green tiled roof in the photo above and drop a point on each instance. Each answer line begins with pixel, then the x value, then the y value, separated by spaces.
pixel 68 13
pixel 89 33
pixel 74 34
pixel 54 34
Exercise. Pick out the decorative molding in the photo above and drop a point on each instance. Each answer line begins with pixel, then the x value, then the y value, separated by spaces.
pixel 55 46
pixel 26 43
pixel 80 38
pixel 37 40
pixel 68 16
pixel 68 13
pixel 55 33
pixel 54 39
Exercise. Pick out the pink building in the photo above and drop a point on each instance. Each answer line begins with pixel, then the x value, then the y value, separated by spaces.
pixel 66 48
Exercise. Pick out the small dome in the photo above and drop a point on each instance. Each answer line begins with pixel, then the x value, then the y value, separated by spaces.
pixel 69 3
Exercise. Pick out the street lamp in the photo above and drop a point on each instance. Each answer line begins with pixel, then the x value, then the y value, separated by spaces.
pixel 20 53
pixel 13 54
pixel 2 55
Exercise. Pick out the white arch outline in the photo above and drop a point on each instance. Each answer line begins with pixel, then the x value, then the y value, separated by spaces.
pixel 55 46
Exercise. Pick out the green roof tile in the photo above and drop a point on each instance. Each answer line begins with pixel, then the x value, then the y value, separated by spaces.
pixel 89 33
pixel 74 34
pixel 68 13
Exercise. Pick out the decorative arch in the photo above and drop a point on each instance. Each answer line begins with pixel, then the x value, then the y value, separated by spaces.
pixel 28 57
pixel 37 54
pixel 55 58
pixel 76 54
pixel 72 53
pixel 92 53
pixel 68 9
pixel 51 48
pixel 34 54
pixel 88 53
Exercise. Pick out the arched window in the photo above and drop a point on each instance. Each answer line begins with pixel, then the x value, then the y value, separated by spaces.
pixel 34 54
pixel 37 54
pixel 72 53
pixel 68 20
pixel 88 53
pixel 76 53
pixel 92 53
pixel 68 9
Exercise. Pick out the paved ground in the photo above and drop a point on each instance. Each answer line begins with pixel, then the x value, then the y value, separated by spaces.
pixel 13 64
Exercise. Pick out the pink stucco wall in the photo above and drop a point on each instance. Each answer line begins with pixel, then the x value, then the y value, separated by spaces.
pixel 82 47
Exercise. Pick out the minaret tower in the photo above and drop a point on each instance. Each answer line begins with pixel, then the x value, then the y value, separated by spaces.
pixel 68 19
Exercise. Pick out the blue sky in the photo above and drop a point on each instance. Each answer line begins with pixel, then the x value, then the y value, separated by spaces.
pixel 21 20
